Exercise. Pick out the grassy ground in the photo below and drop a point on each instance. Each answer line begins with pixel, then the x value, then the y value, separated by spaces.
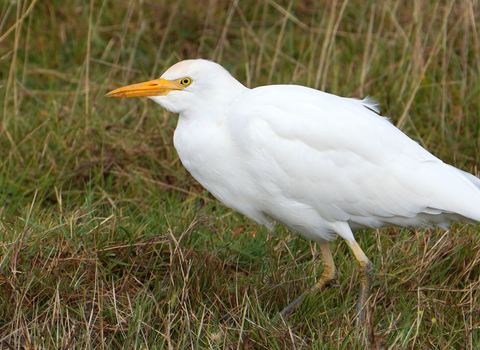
pixel 107 242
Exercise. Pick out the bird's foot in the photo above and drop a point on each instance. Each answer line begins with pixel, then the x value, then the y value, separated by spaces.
pixel 287 311
pixel 326 281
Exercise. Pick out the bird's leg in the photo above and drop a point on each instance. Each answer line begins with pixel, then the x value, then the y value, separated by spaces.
pixel 366 279
pixel 328 279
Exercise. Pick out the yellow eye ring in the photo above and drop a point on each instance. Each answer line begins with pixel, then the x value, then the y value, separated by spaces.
pixel 186 81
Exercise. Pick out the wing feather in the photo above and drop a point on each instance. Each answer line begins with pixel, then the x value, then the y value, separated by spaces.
pixel 337 157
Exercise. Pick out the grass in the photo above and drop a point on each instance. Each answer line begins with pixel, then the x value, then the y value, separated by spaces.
pixel 107 242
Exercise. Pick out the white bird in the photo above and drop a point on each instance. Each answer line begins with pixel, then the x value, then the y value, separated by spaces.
pixel 319 164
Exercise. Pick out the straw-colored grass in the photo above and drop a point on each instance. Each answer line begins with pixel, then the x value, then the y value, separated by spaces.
pixel 106 242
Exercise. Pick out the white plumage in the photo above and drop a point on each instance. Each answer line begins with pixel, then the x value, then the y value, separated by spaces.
pixel 320 164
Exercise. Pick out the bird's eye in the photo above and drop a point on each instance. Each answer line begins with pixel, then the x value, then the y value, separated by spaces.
pixel 186 81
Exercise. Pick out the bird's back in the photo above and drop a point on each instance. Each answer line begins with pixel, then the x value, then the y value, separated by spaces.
pixel 318 159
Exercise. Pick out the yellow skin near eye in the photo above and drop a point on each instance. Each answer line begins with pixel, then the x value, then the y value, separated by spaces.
pixel 186 81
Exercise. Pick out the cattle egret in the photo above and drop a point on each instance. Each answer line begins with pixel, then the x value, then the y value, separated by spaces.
pixel 319 164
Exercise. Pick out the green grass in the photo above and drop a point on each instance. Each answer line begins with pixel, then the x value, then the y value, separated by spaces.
pixel 107 242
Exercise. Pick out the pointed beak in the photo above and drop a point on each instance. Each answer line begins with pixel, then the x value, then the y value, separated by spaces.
pixel 158 87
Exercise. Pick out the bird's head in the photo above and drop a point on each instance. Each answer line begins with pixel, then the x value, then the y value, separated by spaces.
pixel 189 84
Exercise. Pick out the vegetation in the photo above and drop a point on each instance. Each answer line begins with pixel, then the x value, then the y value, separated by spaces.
pixel 106 242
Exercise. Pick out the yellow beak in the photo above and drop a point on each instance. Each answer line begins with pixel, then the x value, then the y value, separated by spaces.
pixel 158 87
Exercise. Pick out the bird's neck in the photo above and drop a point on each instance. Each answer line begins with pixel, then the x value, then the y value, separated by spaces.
pixel 215 108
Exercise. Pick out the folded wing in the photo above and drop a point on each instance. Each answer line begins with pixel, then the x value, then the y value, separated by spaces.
pixel 336 157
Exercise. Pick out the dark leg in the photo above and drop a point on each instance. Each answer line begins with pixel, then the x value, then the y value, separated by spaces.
pixel 328 278
pixel 366 279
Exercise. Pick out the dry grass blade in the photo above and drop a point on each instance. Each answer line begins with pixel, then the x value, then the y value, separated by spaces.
pixel 107 242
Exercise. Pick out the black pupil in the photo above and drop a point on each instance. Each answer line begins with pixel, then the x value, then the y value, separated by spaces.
pixel 185 81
